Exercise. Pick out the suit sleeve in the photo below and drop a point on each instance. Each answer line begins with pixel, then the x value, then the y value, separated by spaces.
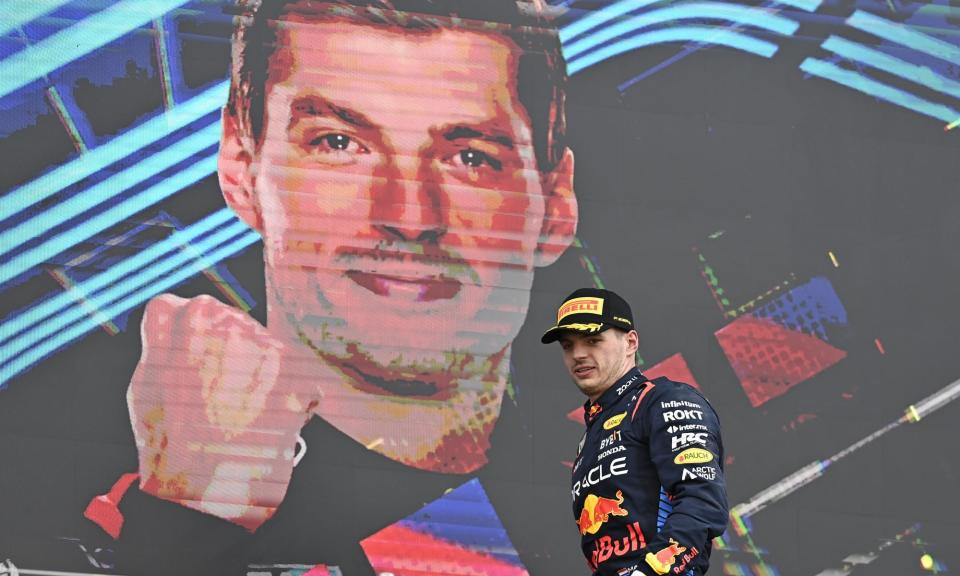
pixel 687 452
pixel 161 537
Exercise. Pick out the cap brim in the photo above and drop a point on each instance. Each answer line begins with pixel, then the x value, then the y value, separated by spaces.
pixel 553 334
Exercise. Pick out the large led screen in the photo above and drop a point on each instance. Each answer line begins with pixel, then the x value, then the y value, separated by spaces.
pixel 273 276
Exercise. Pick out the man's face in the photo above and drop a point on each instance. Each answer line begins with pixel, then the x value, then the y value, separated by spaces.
pixel 402 213
pixel 596 361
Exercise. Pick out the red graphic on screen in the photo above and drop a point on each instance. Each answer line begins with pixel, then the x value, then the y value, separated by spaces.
pixel 675 368
pixel 457 534
pixel 770 359
pixel 406 552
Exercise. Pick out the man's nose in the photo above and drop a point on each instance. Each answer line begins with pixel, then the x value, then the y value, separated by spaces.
pixel 407 203
pixel 578 351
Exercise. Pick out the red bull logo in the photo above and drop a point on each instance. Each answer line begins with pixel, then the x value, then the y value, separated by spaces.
pixel 594 410
pixel 597 510
pixel 686 559
pixel 662 561
pixel 606 547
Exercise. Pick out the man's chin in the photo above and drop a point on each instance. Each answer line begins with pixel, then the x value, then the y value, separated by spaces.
pixel 397 372
pixel 372 378
pixel 434 414
pixel 458 452
pixel 588 387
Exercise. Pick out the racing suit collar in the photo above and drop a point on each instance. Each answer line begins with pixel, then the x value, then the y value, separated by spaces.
pixel 612 394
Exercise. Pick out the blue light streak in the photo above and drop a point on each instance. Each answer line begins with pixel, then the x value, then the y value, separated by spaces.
pixel 57 244
pixel 100 301
pixel 64 337
pixel 16 13
pixel 742 15
pixel 902 34
pixel 116 149
pixel 805 5
pixel 83 290
pixel 600 17
pixel 877 59
pixel 703 34
pixel 58 50
pixel 101 192
pixel 880 90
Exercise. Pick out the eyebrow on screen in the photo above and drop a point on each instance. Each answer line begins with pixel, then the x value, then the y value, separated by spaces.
pixel 464 132
pixel 310 106
pixel 313 105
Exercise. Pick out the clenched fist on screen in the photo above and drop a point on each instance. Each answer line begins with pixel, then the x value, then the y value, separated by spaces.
pixel 215 423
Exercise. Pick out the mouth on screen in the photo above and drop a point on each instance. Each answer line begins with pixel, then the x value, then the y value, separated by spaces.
pixel 418 289
pixel 376 380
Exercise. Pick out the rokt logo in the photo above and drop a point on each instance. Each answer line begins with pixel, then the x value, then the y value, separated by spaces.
pixel 680 415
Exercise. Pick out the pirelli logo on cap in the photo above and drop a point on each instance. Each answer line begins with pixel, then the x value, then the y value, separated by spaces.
pixel 580 306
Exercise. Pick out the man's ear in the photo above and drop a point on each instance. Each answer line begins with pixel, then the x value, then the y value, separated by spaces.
pixel 561 213
pixel 633 342
pixel 236 171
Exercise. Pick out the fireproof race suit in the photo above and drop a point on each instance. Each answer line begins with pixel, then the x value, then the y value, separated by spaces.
pixel 648 488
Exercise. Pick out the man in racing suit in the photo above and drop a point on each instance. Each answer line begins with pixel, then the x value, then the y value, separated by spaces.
pixel 648 488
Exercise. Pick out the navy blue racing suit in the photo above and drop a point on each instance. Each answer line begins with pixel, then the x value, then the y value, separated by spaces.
pixel 648 488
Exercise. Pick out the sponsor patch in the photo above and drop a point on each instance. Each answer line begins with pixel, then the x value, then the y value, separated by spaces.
pixel 606 547
pixel 685 559
pixel 679 404
pixel 687 440
pixel 597 510
pixel 682 414
pixel 704 472
pixel 599 473
pixel 614 421
pixel 612 439
pixel 693 456
pixel 662 561
pixel 673 429
pixel 626 385
pixel 581 306
pixel 611 452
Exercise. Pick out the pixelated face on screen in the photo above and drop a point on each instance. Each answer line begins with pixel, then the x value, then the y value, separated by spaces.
pixel 403 211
